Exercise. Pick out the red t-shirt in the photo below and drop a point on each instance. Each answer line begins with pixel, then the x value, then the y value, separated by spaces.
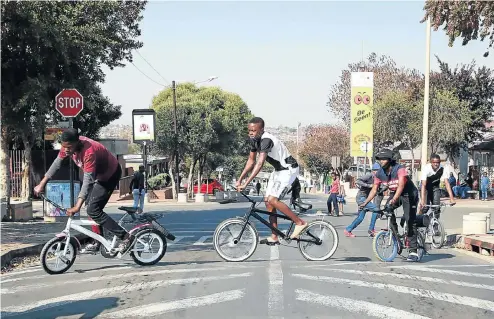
pixel 394 177
pixel 335 187
pixel 94 158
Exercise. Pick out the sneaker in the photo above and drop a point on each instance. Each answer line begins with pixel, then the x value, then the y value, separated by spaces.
pixel 269 241
pixel 126 244
pixel 90 248
pixel 371 233
pixel 348 234
pixel 413 257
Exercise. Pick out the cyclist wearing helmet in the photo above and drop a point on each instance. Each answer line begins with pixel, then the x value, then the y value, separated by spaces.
pixel 402 192
pixel 365 184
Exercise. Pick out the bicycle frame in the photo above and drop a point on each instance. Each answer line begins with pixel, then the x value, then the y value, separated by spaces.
pixel 253 211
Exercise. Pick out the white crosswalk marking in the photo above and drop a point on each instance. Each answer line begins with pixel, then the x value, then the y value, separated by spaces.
pixel 275 277
pixel 118 276
pixel 416 278
pixel 445 271
pixel 169 306
pixel 461 300
pixel 177 239
pixel 201 241
pixel 58 301
pixel 359 306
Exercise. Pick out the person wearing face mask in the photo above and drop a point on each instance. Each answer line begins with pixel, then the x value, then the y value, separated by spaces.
pixel 286 170
pixel 101 175
pixel 402 192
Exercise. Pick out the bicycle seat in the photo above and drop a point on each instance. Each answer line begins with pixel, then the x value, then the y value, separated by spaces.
pixel 128 209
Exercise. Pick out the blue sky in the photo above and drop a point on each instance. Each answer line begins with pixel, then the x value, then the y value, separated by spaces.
pixel 281 57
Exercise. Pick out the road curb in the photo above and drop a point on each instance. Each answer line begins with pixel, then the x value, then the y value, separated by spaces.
pixel 32 250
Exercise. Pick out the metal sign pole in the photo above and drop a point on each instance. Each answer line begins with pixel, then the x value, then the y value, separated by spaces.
pixel 72 202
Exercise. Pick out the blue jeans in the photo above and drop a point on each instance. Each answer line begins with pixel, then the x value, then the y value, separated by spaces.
pixel 483 190
pixel 138 200
pixel 332 199
pixel 361 215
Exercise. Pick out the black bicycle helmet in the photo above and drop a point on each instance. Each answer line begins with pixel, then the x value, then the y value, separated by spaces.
pixel 385 154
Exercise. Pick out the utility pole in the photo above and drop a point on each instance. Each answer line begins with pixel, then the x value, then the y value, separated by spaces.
pixel 425 123
pixel 174 89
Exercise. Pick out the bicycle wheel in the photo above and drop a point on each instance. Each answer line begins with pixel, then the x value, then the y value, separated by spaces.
pixel 227 231
pixel 382 240
pixel 319 229
pixel 144 244
pixel 437 231
pixel 54 249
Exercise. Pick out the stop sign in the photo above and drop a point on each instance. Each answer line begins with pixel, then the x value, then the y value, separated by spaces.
pixel 69 103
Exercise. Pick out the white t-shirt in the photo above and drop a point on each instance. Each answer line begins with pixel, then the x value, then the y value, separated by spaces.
pixel 278 155
pixel 432 177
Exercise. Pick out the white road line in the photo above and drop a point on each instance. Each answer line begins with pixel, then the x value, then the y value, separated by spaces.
pixel 275 277
pixel 455 266
pixel 416 278
pixel 116 276
pixel 66 299
pixel 360 306
pixel 456 299
pixel 201 241
pixel 329 265
pixel 161 308
pixel 444 271
pixel 177 239
pixel 14 273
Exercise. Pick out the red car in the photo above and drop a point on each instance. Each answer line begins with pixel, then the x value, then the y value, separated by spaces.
pixel 211 185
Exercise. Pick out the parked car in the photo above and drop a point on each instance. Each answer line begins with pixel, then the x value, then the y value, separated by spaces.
pixel 209 186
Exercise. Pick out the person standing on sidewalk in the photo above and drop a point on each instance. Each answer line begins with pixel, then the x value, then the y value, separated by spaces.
pixel 101 175
pixel 484 186
pixel 365 184
pixel 137 188
pixel 334 191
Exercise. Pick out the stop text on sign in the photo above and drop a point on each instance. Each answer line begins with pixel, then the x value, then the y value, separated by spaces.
pixel 69 103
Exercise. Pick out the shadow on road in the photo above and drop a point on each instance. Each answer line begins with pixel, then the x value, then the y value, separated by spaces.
pixel 354 259
pixel 87 308
pixel 434 256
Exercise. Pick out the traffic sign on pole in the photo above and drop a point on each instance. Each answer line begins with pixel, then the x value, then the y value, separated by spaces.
pixel 69 103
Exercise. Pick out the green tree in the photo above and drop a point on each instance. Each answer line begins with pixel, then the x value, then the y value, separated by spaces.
pixel 388 76
pixel 468 20
pixel 48 46
pixel 209 120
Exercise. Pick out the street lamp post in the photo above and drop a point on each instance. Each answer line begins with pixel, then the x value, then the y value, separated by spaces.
pixel 174 90
pixel 425 123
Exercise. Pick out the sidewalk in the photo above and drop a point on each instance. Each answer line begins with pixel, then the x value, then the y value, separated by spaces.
pixel 474 203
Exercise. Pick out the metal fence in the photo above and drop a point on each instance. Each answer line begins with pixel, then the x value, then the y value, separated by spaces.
pixel 16 160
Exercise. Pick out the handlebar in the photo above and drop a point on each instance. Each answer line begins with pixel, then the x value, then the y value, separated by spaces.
pixel 52 202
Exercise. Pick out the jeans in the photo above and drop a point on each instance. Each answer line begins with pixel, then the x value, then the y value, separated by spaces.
pixel 138 200
pixel 483 190
pixel 371 207
pixel 461 191
pixel 332 199
pixel 433 197
pixel 100 195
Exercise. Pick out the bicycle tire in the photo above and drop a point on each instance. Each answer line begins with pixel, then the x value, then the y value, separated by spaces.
pixel 44 252
pixel 335 243
pixel 442 234
pixel 161 254
pixel 375 244
pixel 248 227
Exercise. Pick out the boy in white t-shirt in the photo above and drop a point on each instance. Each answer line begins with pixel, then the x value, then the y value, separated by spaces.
pixel 432 174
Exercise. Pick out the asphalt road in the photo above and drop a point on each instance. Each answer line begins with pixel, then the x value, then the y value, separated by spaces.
pixel 192 281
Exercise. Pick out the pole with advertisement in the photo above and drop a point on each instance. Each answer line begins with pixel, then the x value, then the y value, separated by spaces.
pixel 144 132
pixel 361 127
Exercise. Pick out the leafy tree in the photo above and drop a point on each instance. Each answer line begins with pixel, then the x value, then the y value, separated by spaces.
pixel 398 118
pixel 321 143
pixel 468 20
pixel 387 77
pixel 449 121
pixel 48 46
pixel 210 120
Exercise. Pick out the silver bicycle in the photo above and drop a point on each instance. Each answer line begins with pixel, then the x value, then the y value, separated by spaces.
pixel 64 247
pixel 435 234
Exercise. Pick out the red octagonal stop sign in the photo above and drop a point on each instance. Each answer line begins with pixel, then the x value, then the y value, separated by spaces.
pixel 69 103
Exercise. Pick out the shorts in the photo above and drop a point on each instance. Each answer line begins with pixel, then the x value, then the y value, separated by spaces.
pixel 280 182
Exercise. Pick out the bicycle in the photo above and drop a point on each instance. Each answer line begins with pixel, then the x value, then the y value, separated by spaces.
pixel 246 231
pixel 64 246
pixel 391 237
pixel 435 227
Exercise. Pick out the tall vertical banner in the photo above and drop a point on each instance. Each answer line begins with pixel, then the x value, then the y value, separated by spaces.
pixel 362 101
